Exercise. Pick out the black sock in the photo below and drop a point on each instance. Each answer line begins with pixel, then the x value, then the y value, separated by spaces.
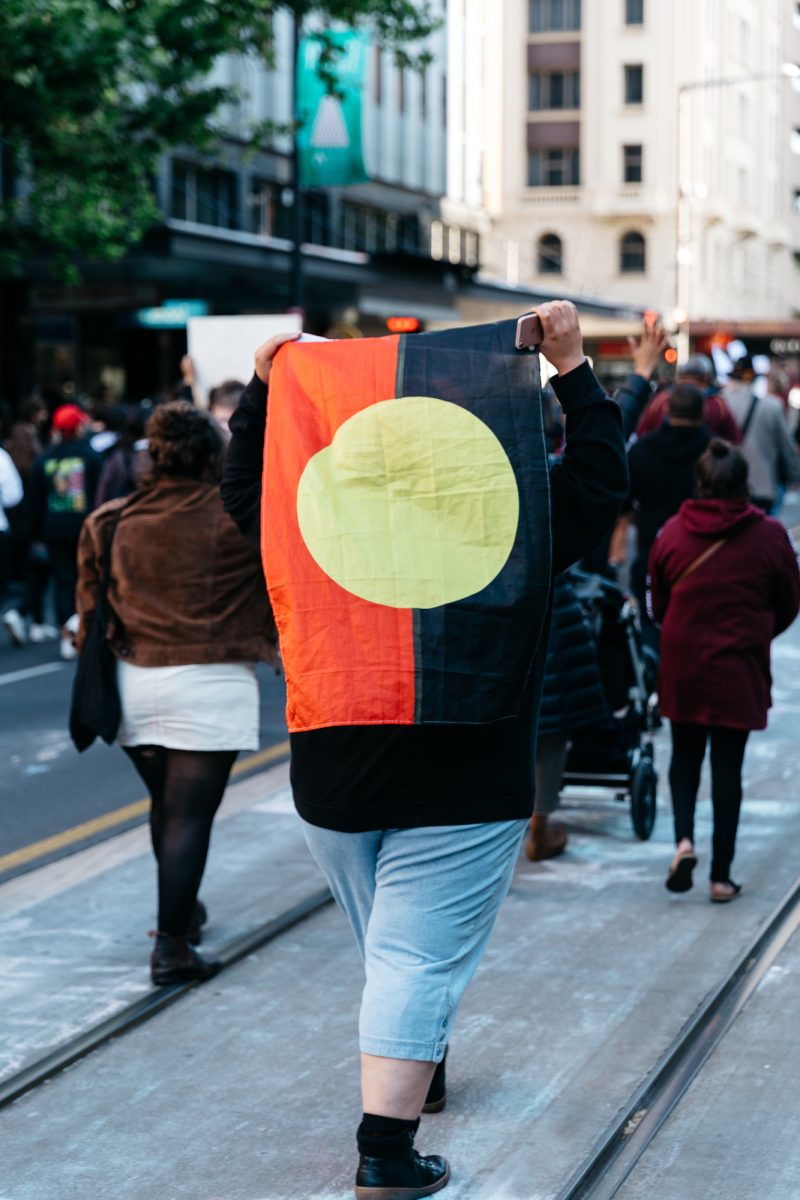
pixel 385 1137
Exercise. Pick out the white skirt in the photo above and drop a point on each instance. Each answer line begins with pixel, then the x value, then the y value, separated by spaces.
pixel 204 706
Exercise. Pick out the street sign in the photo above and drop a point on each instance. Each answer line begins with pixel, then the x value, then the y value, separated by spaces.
pixel 172 314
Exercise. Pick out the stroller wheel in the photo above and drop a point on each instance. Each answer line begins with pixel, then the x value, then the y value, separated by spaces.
pixel 643 798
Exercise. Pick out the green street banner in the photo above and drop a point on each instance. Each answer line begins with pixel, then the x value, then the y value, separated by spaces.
pixel 329 136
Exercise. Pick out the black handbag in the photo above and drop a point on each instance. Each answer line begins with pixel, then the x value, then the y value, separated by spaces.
pixel 95 710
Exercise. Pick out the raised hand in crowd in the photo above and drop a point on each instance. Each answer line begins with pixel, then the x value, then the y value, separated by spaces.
pixel 647 349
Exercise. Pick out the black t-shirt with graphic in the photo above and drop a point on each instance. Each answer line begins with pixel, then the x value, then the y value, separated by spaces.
pixel 63 488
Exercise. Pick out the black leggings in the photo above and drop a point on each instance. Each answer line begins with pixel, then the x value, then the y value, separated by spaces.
pixel 727 756
pixel 186 788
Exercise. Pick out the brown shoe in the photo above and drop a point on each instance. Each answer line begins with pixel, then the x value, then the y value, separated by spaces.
pixel 546 839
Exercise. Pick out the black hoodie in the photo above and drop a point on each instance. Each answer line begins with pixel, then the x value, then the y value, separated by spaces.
pixel 662 476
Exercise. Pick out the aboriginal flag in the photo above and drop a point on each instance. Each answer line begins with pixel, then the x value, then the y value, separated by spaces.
pixel 406 527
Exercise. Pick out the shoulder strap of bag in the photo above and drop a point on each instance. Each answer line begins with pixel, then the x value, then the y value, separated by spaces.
pixel 105 578
pixel 750 414
pixel 698 562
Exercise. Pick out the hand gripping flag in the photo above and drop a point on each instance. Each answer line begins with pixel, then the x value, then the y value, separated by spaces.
pixel 406 527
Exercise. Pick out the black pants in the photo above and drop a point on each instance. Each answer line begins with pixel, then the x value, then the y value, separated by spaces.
pixel 64 566
pixel 727 756
pixel 186 788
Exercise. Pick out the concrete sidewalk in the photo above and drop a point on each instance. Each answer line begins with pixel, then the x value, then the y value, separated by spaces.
pixel 247 1088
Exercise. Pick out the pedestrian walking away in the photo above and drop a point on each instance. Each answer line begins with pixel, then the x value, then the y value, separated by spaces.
pixel 413 607
pixel 29 559
pixel 767 445
pixel 724 582
pixel 698 371
pixel 189 620
pixel 662 469
pixel 647 352
pixel 63 487
pixel 10 496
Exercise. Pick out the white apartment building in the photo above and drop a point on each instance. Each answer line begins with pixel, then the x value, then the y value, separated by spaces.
pixel 567 119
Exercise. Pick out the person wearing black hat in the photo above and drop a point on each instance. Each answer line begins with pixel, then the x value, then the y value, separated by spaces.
pixel 766 442
pixel 662 472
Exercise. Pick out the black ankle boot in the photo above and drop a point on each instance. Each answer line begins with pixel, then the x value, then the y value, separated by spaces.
pixel 199 919
pixel 437 1092
pixel 404 1176
pixel 174 961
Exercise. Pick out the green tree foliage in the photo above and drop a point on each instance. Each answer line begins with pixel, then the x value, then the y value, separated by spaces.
pixel 92 92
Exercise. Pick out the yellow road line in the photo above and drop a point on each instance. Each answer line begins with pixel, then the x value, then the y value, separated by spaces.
pixel 78 833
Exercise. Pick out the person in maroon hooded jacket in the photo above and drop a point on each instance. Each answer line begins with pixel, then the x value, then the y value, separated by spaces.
pixel 724 582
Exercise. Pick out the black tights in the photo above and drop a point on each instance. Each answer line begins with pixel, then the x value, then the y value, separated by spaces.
pixel 186 788
pixel 727 756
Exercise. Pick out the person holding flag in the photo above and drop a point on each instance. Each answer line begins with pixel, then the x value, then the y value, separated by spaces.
pixel 410 527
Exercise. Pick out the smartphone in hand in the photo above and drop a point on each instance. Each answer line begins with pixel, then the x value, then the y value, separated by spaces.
pixel 530 334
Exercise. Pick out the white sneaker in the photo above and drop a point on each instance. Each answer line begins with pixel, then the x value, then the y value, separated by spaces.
pixel 15 627
pixel 68 651
pixel 42 633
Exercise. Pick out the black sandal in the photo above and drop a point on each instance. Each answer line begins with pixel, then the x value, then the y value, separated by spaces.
pixel 679 878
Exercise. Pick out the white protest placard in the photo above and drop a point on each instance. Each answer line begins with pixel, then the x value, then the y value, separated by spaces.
pixel 222 348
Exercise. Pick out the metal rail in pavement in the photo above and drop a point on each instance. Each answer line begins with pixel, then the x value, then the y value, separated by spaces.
pixel 154 1002
pixel 617 1152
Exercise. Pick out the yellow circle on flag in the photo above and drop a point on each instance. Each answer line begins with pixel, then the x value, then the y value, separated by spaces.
pixel 414 504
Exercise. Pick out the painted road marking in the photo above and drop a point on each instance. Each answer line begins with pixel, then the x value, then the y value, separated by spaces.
pixel 30 673
pixel 129 812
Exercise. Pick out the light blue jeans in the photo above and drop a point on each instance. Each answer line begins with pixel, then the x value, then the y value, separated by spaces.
pixel 422 903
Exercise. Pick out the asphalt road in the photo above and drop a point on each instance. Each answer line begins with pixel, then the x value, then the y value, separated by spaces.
pixel 46 787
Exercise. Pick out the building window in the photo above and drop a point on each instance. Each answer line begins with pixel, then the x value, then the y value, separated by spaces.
pixel 423 94
pixel 794 141
pixel 550 255
pixel 634 84
pixel 632 254
pixel 204 195
pixel 377 78
pixel 634 12
pixel 363 227
pixel 796 205
pixel 269 216
pixel 555 166
pixel 401 89
pixel 632 164
pixel 554 89
pixel 548 16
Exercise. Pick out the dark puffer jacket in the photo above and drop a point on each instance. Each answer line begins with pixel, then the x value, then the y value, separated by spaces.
pixel 573 694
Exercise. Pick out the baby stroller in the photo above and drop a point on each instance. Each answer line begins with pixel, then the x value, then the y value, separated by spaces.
pixel 618 753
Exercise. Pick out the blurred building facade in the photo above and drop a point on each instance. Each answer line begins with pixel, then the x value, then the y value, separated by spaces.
pixel 224 243
pixel 371 251
pixel 570 168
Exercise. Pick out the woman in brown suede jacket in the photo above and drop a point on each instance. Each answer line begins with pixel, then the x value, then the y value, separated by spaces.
pixel 189 620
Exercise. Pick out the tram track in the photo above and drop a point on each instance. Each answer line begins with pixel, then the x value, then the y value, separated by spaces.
pixel 616 1153
pixel 148 1006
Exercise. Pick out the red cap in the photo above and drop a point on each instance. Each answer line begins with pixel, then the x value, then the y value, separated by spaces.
pixel 68 417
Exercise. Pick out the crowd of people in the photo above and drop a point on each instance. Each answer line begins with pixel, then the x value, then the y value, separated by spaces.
pixel 58 463
pixel 671 488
